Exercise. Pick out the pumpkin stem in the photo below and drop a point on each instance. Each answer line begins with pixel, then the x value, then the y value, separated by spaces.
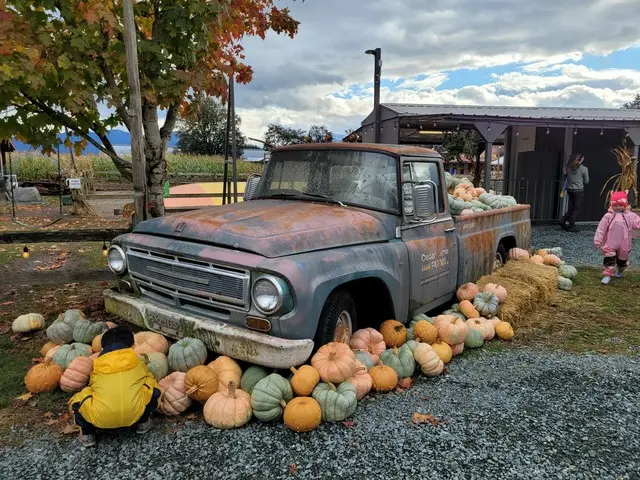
pixel 395 351
pixel 232 390
pixel 293 370
pixel 283 403
pixel 331 386
pixel 192 390
pixel 332 355
pixel 145 358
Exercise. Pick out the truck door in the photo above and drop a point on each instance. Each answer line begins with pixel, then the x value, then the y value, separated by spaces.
pixel 431 243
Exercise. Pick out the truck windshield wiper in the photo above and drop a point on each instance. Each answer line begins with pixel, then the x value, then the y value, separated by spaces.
pixel 304 195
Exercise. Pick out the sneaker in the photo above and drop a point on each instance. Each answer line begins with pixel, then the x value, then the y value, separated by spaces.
pixel 87 441
pixel 619 274
pixel 605 280
pixel 143 428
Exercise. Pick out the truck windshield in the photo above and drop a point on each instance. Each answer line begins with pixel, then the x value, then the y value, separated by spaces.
pixel 358 178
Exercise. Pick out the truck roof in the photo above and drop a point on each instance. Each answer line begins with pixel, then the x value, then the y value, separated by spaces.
pixel 379 147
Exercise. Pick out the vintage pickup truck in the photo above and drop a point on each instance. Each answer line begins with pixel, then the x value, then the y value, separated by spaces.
pixel 333 237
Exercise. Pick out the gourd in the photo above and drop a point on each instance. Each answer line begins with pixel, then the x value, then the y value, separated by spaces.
pixel 304 380
pixel 477 204
pixel 365 358
pixel 251 376
pixel 474 338
pixel 487 304
pixel 362 381
pixel 429 361
pixel 61 331
pixel 467 291
pixel 537 259
pixel 157 364
pixel 228 408
pixel 28 323
pixel 384 378
pixel 564 283
pixel 498 290
pixel 468 310
pixel 518 254
pixel 302 414
pixel 174 399
pixel 425 332
pixel 270 396
pixel 47 347
pixel 228 370
pixel 77 374
pixel 85 331
pixel 504 331
pixel 552 260
pixel 401 360
pixel 452 330
pixel 498 201
pixel 147 342
pixel 200 383
pixel 186 353
pixel 369 340
pixel 568 271
pixel 66 353
pixel 337 403
pixel 394 333
pixel 457 349
pixel 43 377
pixel 70 317
pixel 557 251
pixel 335 362
pixel 443 350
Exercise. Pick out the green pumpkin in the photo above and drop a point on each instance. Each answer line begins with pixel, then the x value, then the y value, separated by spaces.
pixel 66 353
pixel 411 345
pixel 71 317
pixel 400 359
pixel 61 331
pixel 564 283
pixel 337 403
pixel 365 358
pixel 85 331
pixel 269 397
pixel 157 364
pixel 568 271
pixel 474 338
pixel 486 304
pixel 251 377
pixel 186 353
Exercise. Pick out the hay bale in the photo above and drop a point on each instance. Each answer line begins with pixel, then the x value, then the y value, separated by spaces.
pixel 528 285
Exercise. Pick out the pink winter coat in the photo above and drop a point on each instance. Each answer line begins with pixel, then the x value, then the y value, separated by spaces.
pixel 614 231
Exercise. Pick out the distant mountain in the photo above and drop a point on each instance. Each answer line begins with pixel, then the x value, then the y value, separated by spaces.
pixel 116 137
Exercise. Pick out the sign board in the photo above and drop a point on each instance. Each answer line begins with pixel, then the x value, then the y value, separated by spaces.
pixel 74 183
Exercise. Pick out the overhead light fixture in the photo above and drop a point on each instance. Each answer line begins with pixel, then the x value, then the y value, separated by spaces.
pixel 435 124
pixel 547 130
pixel 575 131
pixel 517 132
pixel 602 131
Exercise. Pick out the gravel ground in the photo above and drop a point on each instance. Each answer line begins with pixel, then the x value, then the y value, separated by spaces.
pixel 577 246
pixel 510 414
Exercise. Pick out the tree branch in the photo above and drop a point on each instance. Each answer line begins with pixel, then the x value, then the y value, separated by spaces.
pixel 169 122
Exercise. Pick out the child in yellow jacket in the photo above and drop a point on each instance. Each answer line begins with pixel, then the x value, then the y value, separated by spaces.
pixel 122 392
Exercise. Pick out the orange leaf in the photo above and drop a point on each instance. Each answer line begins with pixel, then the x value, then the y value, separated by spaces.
pixel 70 428
pixel 422 418
pixel 404 384
pixel 349 423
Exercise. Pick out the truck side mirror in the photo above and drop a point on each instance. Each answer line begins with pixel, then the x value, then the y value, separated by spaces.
pixel 250 187
pixel 425 200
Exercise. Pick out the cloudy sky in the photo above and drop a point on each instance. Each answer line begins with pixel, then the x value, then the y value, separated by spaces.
pixel 582 53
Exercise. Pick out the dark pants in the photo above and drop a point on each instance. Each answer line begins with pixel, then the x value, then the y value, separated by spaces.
pixel 87 428
pixel 575 205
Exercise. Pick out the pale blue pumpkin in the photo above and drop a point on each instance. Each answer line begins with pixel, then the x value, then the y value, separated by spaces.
pixel 66 353
pixel 568 271
pixel 400 359
pixel 487 304
pixel 474 338
pixel 269 397
pixel 251 377
pixel 365 358
pixel 186 353
pixel 337 403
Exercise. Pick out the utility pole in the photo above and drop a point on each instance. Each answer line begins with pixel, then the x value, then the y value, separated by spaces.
pixel 138 163
pixel 377 73
pixel 234 140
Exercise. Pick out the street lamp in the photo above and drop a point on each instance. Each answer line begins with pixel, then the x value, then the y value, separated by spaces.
pixel 377 69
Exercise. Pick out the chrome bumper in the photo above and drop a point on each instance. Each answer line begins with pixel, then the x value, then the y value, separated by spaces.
pixel 219 337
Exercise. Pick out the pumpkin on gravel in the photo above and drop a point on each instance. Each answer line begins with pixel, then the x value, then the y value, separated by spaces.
pixel 370 340
pixel 365 358
pixel 362 381
pixel 384 378
pixel 270 396
pixel 504 331
pixel 147 342
pixel 28 323
pixel 400 359
pixel 430 362
pixel 77 375
pixel 335 362
pixel 251 377
pixel 228 370
pixel 302 414
pixel 457 349
pixel 467 291
pixel 394 333
pixel 485 327
pixel 174 399
pixel 487 304
pixel 43 377
pixel 304 380
pixel 474 338
pixel 229 408
pixel 452 330
pixel 186 353
pixel 443 350
pixel 200 383
pixel 337 403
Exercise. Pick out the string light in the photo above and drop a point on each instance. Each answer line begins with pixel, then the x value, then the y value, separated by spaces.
pixel 601 131
pixel 517 132
pixel 435 124
pixel 547 130
pixel 25 252
pixel 105 250
pixel 458 128
pixel 575 131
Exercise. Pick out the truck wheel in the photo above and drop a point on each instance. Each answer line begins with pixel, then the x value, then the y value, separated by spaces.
pixel 337 320
pixel 501 257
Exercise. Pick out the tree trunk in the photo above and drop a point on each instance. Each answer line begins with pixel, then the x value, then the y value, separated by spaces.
pixel 155 151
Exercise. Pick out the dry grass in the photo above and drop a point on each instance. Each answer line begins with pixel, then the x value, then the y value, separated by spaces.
pixel 529 286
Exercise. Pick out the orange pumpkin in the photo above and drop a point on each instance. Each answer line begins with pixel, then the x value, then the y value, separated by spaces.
pixel 335 362
pixel 228 408
pixel 302 414
pixel 383 378
pixel 453 331
pixel 227 370
pixel 46 347
pixel 552 260
pixel 468 310
pixel 362 381
pixel 504 331
pixel 304 380
pixel 498 290
pixel 394 333
pixel 52 351
pixel 369 340
pixel 147 342
pixel 423 331
pixel 43 377
pixel 467 291
pixel 200 383
pixel 443 350
pixel 96 343
pixel 537 259
pixel 76 376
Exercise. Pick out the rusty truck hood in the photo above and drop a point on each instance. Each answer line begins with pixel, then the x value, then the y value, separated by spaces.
pixel 274 228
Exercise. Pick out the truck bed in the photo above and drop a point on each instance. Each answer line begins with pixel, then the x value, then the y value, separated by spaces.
pixel 479 235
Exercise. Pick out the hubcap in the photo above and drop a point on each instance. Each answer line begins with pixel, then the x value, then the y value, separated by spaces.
pixel 342 333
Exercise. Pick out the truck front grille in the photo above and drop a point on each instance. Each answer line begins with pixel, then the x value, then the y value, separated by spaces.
pixel 187 279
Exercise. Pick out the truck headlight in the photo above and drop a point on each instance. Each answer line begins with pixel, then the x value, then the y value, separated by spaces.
pixel 117 260
pixel 270 294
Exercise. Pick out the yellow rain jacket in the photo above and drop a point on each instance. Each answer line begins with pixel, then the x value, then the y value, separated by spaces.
pixel 119 389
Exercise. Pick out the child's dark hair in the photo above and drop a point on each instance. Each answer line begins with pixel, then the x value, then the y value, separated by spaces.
pixel 120 335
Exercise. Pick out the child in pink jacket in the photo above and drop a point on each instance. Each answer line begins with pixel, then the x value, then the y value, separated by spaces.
pixel 613 236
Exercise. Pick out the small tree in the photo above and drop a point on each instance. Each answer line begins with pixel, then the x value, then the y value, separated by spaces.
pixel 464 142
pixel 204 132
pixel 279 136
pixel 634 104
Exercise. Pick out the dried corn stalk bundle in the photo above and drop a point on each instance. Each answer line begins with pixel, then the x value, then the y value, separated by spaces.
pixel 627 179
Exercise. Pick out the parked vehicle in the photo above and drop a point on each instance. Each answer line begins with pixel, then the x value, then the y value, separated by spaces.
pixel 335 237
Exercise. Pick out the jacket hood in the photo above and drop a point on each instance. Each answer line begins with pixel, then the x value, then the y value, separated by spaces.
pixel 116 361
pixel 274 228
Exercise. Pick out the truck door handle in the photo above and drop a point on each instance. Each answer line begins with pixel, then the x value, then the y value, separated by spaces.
pixel 449 230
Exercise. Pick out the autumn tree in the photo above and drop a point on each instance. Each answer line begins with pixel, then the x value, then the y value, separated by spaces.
pixel 279 136
pixel 63 65
pixel 464 143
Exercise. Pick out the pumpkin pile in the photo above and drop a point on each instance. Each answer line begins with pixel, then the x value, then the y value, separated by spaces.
pixel 552 257
pixel 465 199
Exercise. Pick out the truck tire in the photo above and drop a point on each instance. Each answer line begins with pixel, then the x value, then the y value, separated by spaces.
pixel 501 257
pixel 337 320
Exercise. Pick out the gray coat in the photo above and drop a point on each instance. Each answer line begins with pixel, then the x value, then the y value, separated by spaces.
pixel 577 179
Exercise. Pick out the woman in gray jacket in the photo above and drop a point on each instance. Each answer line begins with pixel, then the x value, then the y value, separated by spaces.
pixel 577 176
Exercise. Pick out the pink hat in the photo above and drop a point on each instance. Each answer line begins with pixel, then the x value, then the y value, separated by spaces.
pixel 619 199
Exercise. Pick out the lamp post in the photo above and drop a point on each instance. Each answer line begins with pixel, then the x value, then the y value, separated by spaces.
pixel 377 69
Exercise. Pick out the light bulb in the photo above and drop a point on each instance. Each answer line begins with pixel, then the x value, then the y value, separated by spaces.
pixel 25 252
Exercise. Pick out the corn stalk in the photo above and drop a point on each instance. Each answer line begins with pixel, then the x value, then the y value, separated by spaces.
pixel 627 179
